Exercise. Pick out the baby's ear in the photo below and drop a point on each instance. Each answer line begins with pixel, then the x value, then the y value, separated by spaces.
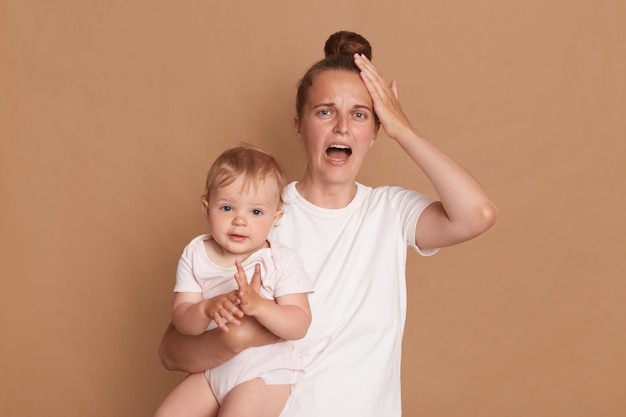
pixel 277 217
pixel 205 207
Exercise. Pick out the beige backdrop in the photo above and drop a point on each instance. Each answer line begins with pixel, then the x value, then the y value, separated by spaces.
pixel 111 112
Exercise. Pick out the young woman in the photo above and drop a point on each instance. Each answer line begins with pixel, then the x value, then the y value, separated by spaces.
pixel 352 239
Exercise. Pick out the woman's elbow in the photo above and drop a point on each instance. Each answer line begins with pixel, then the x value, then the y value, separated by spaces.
pixel 167 349
pixel 486 217
pixel 166 360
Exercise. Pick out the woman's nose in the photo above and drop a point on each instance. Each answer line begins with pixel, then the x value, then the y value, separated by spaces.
pixel 342 124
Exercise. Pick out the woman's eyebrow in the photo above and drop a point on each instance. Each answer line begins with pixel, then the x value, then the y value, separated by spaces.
pixel 329 104
pixel 361 106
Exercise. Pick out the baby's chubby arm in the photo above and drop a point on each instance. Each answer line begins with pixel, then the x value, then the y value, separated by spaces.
pixel 191 314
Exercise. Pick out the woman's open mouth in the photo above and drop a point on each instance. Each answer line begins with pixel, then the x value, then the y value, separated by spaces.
pixel 338 152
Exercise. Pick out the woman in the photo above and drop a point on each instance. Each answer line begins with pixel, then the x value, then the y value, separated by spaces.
pixel 352 239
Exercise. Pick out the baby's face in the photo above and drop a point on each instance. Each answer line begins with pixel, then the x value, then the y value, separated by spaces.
pixel 240 218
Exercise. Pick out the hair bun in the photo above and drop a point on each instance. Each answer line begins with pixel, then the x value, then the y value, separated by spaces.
pixel 347 43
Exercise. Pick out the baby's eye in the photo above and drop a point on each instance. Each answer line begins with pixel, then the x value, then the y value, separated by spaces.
pixel 226 208
pixel 257 212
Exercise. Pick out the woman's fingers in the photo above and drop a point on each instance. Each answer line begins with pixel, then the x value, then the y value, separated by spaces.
pixel 384 97
pixel 373 79
pixel 394 87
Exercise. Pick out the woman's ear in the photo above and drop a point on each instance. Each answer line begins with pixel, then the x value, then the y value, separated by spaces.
pixel 375 136
pixel 296 125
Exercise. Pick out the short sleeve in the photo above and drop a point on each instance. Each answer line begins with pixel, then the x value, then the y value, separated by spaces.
pixel 410 205
pixel 291 275
pixel 185 279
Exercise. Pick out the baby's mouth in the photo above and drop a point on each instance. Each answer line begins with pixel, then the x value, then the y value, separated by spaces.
pixel 338 152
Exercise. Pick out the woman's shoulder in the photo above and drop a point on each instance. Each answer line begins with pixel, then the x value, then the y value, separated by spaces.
pixel 379 191
pixel 280 252
pixel 395 194
pixel 290 193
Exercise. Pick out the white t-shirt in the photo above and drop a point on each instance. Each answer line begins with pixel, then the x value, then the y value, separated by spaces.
pixel 356 257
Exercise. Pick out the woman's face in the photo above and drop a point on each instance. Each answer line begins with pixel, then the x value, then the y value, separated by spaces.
pixel 337 126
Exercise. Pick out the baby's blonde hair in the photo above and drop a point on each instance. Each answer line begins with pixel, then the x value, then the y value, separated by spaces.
pixel 252 163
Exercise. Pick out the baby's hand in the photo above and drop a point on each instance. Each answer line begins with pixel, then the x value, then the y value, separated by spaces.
pixel 248 294
pixel 222 309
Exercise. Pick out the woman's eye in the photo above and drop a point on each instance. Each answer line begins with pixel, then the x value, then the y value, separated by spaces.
pixel 360 115
pixel 324 112
pixel 257 212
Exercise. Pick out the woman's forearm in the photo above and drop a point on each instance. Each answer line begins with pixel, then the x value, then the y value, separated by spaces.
pixel 462 196
pixel 464 210
pixel 192 354
pixel 210 349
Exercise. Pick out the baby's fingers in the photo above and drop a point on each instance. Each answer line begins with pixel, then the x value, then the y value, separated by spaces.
pixel 225 317
pixel 231 310
pixel 233 298
pixel 221 323
pixel 240 276
pixel 256 281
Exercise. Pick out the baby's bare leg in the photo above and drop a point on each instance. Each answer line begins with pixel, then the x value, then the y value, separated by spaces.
pixel 192 398
pixel 255 398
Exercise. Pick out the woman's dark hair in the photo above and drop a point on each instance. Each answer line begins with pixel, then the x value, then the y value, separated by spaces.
pixel 339 51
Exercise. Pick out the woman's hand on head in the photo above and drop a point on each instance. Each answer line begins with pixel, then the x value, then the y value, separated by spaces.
pixel 384 97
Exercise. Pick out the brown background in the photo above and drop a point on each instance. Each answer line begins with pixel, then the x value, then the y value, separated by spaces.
pixel 111 112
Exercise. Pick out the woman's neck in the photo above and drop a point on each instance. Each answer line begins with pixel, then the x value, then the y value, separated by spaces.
pixel 325 195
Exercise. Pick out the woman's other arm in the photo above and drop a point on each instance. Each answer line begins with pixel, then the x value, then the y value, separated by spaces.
pixel 210 349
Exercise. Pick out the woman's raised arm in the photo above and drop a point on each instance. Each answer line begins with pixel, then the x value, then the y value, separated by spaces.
pixel 464 210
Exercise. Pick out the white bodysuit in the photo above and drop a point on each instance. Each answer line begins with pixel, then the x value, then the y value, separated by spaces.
pixel 282 273
pixel 356 257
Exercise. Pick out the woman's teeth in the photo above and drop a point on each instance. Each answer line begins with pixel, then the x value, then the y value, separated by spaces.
pixel 338 152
